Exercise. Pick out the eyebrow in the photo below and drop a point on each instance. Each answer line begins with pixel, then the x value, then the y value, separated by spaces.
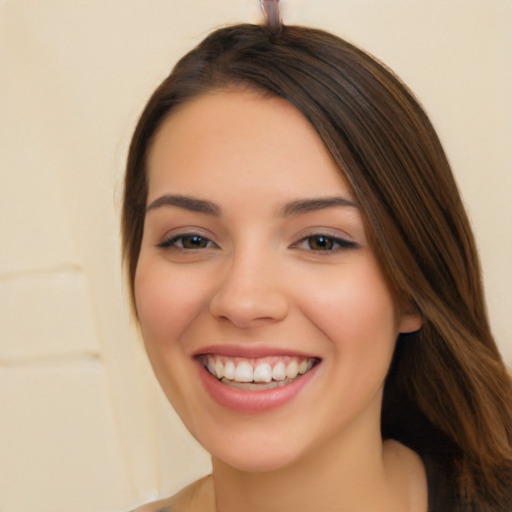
pixel 187 203
pixel 297 207
pixel 301 206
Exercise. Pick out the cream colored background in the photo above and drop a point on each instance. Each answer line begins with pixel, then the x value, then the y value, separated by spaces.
pixel 83 427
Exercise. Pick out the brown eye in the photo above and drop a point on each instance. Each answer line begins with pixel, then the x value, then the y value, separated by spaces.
pixel 320 243
pixel 194 242
pixel 327 244
pixel 187 242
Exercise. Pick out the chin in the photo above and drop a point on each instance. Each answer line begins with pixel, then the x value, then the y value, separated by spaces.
pixel 262 463
pixel 255 454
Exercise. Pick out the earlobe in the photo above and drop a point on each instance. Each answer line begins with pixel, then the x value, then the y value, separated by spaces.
pixel 411 320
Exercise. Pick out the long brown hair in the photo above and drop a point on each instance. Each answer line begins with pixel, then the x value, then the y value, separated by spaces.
pixel 447 394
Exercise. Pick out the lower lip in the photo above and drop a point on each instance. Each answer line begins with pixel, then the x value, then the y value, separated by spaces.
pixel 252 401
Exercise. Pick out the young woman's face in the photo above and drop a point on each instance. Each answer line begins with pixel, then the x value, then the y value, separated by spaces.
pixel 264 311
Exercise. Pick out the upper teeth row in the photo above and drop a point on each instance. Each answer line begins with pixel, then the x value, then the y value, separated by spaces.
pixel 241 370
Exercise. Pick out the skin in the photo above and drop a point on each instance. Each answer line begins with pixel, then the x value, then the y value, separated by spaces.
pixel 262 278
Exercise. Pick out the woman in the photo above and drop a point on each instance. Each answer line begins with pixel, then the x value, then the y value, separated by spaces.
pixel 307 285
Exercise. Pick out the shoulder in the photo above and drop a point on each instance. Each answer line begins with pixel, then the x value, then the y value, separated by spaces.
pixel 196 497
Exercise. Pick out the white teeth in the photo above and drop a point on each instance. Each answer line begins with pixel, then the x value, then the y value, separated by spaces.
pixel 219 368
pixel 279 371
pixel 303 367
pixel 256 386
pixel 263 373
pixel 244 372
pixel 292 370
pixel 229 370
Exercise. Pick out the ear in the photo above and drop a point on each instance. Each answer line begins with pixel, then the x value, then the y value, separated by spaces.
pixel 411 320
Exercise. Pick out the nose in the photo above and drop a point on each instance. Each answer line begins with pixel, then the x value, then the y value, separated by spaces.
pixel 250 292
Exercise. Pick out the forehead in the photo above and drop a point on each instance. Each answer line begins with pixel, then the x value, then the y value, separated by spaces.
pixel 240 139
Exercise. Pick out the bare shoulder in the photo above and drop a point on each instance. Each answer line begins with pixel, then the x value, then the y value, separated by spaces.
pixel 196 497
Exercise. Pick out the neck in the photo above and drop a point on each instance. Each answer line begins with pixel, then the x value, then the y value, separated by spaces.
pixel 348 474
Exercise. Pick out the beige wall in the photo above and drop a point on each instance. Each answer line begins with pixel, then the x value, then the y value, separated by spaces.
pixel 83 427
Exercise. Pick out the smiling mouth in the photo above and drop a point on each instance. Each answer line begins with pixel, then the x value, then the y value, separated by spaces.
pixel 257 373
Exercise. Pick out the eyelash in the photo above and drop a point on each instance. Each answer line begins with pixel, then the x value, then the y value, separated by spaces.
pixel 336 244
pixel 341 243
pixel 171 243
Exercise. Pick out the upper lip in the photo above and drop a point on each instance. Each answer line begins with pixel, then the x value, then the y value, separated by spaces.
pixel 250 351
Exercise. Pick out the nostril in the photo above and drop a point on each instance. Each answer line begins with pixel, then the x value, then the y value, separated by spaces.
pixel 249 309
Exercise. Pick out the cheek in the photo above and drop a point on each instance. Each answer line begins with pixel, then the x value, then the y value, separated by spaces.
pixel 166 305
pixel 358 318
pixel 166 301
pixel 354 303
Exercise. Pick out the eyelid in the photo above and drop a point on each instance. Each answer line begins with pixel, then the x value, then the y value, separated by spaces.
pixel 343 242
pixel 169 239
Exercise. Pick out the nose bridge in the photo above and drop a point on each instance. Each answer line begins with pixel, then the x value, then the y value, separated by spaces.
pixel 250 290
